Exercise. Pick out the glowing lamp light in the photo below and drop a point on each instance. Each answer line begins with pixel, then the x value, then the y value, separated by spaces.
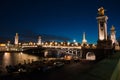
pixel 68 43
pixel 74 40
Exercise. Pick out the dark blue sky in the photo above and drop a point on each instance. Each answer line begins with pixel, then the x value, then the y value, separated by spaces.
pixel 57 19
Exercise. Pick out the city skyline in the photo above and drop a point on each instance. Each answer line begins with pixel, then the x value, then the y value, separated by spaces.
pixel 58 20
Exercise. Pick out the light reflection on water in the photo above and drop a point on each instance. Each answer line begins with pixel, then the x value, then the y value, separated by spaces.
pixel 15 58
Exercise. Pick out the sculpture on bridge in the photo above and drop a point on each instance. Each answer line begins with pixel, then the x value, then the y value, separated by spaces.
pixel 101 11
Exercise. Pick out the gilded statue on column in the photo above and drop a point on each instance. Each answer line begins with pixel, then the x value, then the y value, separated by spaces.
pixel 101 11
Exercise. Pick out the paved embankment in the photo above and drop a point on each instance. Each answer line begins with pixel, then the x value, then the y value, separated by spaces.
pixel 116 73
pixel 102 70
pixel 105 69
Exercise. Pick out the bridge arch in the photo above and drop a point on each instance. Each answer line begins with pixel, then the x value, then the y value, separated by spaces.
pixel 90 56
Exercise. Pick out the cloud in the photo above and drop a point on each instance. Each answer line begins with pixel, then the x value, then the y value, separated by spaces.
pixel 47 37
pixel 27 36
pixel 30 36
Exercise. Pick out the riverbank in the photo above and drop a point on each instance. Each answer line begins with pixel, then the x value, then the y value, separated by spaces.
pixel 102 70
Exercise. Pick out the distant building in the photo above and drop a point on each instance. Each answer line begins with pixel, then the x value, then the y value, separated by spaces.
pixel 2 47
pixel 16 39
pixel 84 41
pixel 39 40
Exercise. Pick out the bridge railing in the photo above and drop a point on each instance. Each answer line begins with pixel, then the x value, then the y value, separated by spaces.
pixel 74 47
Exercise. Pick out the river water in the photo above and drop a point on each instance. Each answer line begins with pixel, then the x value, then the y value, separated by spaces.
pixel 16 58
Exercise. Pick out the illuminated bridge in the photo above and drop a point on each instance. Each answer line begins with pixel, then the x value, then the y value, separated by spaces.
pixel 60 49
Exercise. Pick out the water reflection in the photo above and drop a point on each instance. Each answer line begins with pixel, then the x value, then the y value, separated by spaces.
pixel 15 58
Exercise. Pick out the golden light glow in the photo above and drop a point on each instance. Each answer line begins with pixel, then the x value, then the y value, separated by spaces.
pixel 68 43
pixel 56 43
pixel 68 57
pixel 2 44
pixel 45 53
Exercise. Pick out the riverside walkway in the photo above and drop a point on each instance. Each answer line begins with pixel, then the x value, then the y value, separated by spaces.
pixel 106 69
pixel 116 73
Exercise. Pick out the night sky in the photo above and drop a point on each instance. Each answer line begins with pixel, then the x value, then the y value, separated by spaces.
pixel 62 20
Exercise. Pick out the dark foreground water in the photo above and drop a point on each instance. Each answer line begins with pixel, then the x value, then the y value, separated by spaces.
pixel 15 58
